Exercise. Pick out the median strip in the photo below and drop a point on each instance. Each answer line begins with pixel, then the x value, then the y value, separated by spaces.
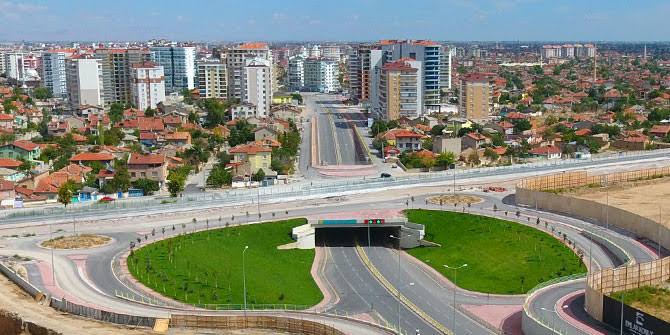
pixel 394 291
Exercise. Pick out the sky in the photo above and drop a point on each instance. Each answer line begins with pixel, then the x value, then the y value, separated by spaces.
pixel 335 20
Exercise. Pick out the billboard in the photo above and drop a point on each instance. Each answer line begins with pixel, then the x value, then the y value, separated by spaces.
pixel 635 322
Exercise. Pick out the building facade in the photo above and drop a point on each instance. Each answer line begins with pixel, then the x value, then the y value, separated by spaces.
pixel 400 92
pixel 84 82
pixel 116 69
pixel 54 71
pixel 148 85
pixel 321 75
pixel 236 62
pixel 212 79
pixel 179 65
pixel 296 73
pixel 257 79
pixel 476 97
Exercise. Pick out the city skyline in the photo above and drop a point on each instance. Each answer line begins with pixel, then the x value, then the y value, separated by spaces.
pixel 350 20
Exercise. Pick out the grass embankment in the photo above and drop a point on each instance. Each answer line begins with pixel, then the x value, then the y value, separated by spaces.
pixel 654 300
pixel 206 267
pixel 503 257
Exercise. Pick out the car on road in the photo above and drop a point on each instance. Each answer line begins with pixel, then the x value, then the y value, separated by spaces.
pixel 106 199
pixel 385 175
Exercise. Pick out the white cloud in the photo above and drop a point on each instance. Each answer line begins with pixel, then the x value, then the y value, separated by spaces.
pixel 15 10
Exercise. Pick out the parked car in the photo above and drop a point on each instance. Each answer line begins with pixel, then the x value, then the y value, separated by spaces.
pixel 385 175
pixel 106 199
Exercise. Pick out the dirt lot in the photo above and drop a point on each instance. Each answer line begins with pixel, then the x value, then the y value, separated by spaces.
pixel 81 241
pixel 640 197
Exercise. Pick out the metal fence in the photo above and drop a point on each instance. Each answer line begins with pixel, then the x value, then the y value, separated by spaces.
pixel 315 188
pixel 630 277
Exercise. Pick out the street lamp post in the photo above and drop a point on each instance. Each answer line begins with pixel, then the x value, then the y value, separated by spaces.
pixel 53 266
pixel 454 304
pixel 244 282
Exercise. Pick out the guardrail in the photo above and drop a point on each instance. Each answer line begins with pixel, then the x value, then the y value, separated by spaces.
pixel 320 188
pixel 541 325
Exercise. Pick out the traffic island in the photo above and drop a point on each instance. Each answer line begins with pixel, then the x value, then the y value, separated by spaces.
pixel 213 268
pixel 81 241
pixel 502 257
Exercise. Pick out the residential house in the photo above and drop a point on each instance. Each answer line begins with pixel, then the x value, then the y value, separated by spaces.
pixel 242 111
pixel 249 158
pixel 474 141
pixel 264 132
pixel 6 121
pixel 89 157
pixel 9 163
pixel 149 166
pixel 6 191
pixel 660 131
pixel 178 138
pixel 443 143
pixel 23 150
pixel 546 152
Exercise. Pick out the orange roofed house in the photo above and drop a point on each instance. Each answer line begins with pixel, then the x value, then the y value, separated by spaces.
pixel 249 158
pixel 149 166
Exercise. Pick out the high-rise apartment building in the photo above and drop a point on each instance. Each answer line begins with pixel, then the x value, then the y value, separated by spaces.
pixel 400 89
pixel 179 65
pixel 3 56
pixel 359 72
pixel 321 75
pixel 53 71
pixel 428 53
pixel 296 73
pixel 476 97
pixel 257 81
pixel 236 61
pixel 84 81
pixel 147 85
pixel 21 66
pixel 212 79
pixel 116 69
pixel 568 51
pixel 331 52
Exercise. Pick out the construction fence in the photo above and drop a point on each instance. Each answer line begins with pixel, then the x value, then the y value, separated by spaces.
pixel 608 281
pixel 280 324
pixel 569 180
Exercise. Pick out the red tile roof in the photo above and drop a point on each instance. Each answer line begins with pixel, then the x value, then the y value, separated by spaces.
pixel 91 157
pixel 545 151
pixel 9 163
pixel 140 159
pixel 251 149
pixel 25 145
pixel 6 185
pixel 6 117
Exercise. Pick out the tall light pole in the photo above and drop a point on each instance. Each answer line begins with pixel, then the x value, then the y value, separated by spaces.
pixel 244 282
pixel 398 289
pixel 53 266
pixel 660 224
pixel 454 304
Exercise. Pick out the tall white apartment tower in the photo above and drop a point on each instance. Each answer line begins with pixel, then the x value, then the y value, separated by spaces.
pixel 257 79
pixel 53 71
pixel 178 64
pixel 84 81
pixel 147 85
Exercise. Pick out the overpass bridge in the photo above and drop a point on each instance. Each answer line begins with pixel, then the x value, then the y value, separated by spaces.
pixel 363 231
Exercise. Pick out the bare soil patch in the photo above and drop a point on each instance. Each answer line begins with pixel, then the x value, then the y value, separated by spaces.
pixel 450 199
pixel 82 241
pixel 645 197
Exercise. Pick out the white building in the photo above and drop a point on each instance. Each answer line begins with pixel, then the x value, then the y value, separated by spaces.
pixel 178 64
pixel 296 73
pixel 212 79
pixel 21 67
pixel 243 111
pixel 236 61
pixel 147 85
pixel 331 52
pixel 257 78
pixel 321 75
pixel 53 71
pixel 84 82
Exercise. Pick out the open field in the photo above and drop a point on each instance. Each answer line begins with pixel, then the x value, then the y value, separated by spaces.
pixel 206 267
pixel 503 257
pixel 645 197
pixel 654 300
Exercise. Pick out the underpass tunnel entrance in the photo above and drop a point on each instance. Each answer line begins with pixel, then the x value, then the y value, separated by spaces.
pixel 349 236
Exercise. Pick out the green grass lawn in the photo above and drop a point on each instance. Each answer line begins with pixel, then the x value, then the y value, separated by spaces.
pixel 503 257
pixel 206 267
pixel 654 300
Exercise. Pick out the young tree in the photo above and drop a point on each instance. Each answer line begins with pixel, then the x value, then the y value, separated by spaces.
pixel 65 193
pixel 147 186
pixel 445 159
pixel 258 176
pixel 176 182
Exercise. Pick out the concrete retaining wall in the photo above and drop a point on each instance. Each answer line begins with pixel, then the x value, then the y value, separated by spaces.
pixel 15 278
pixel 531 326
pixel 100 315
pixel 282 324
pixel 12 324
